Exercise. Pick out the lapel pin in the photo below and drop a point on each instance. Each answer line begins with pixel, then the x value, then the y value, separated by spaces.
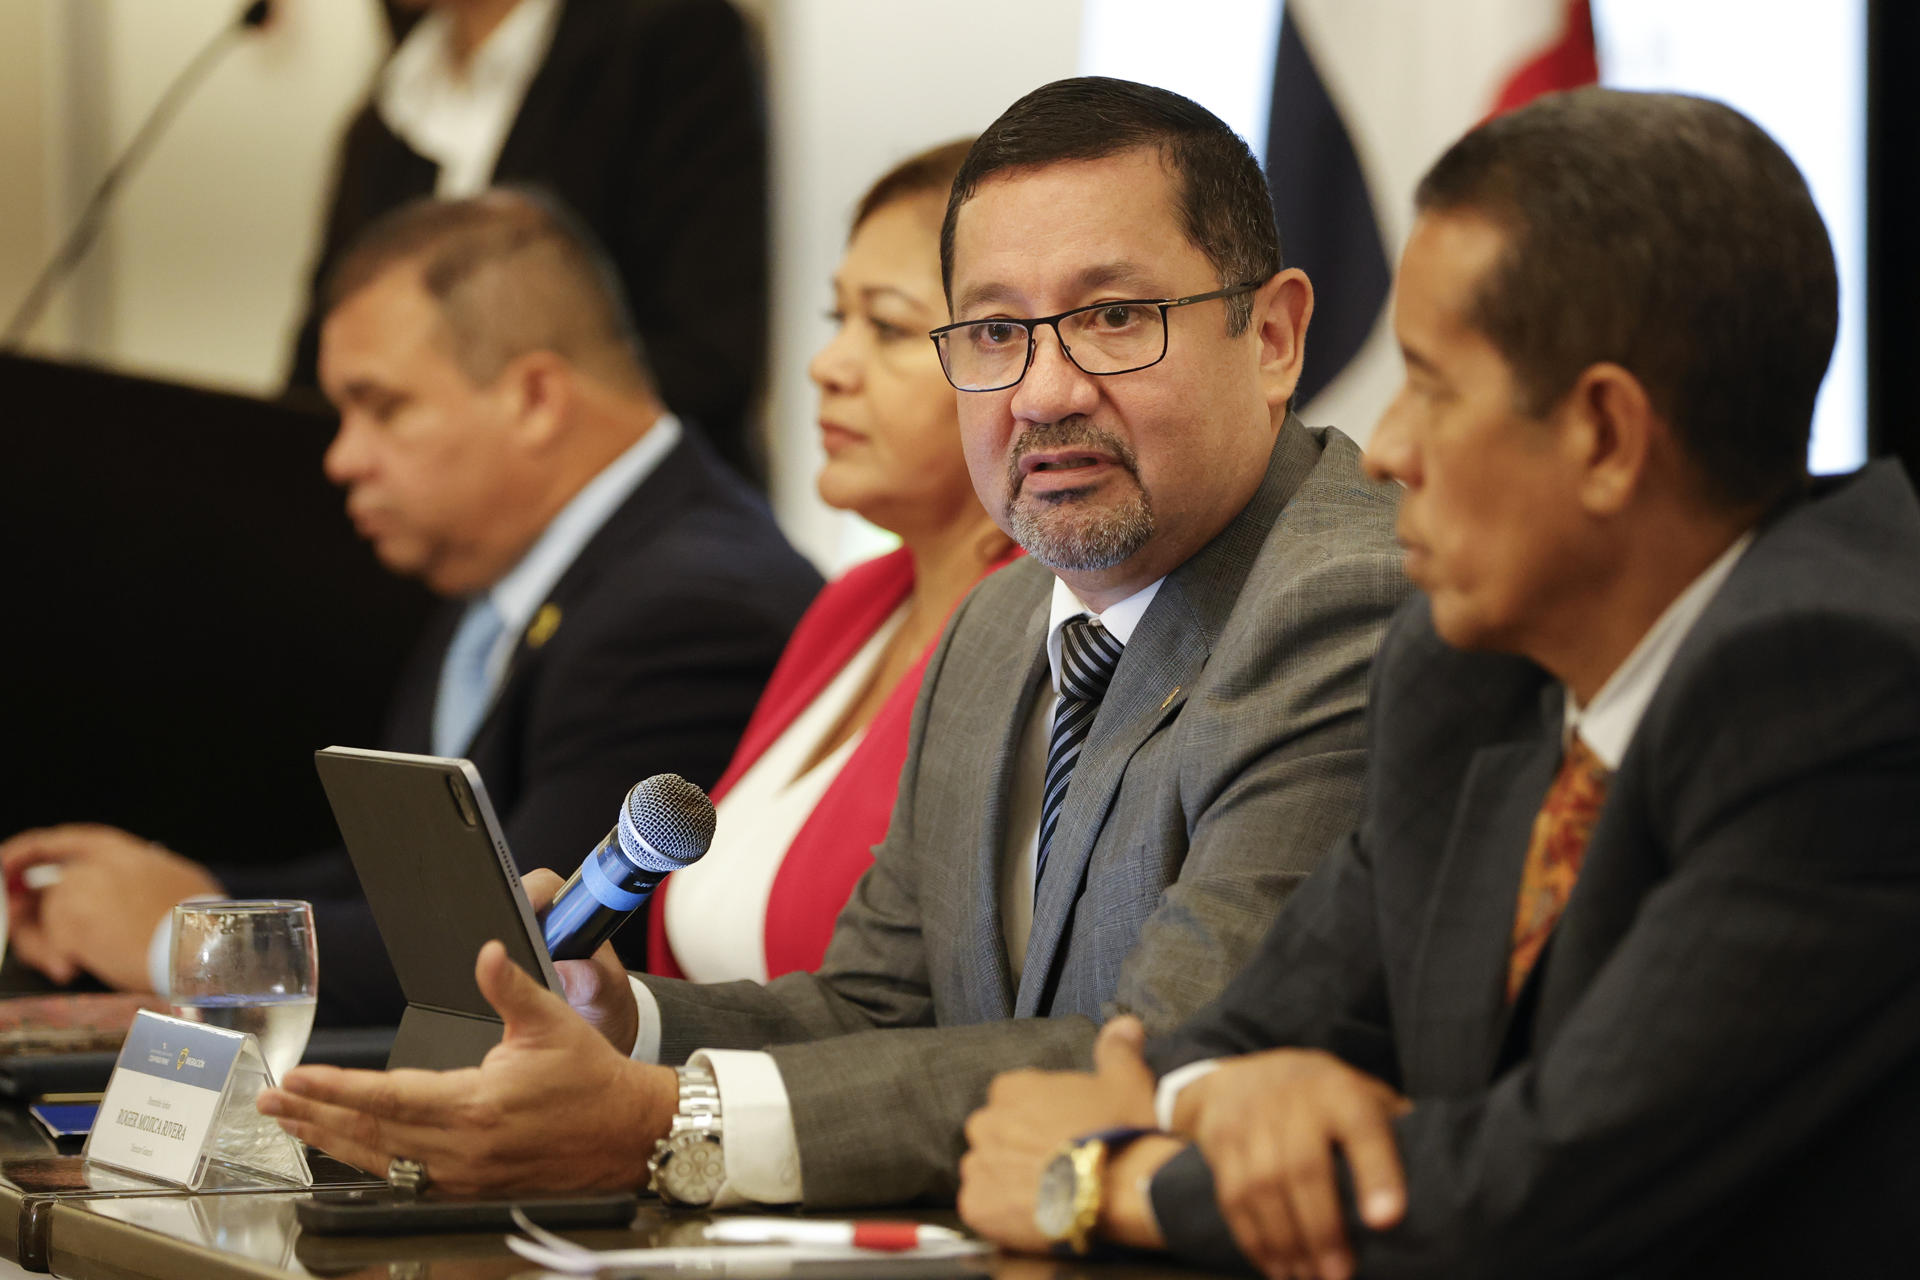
pixel 1170 698
pixel 544 624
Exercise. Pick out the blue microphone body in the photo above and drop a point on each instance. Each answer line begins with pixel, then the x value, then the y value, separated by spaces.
pixel 666 823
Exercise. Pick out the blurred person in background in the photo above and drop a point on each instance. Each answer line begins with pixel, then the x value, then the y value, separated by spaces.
pixel 645 117
pixel 617 597
pixel 809 792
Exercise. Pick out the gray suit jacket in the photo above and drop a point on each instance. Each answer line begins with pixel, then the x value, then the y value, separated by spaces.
pixel 1225 759
pixel 1715 1066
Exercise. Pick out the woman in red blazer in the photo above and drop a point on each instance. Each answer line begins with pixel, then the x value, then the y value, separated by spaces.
pixel 811 787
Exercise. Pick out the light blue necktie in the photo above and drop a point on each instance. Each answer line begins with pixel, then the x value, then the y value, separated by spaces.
pixel 465 690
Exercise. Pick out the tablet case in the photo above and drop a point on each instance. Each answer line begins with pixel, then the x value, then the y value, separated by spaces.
pixel 436 872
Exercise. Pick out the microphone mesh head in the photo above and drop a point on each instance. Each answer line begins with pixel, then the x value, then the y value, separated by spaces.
pixel 666 823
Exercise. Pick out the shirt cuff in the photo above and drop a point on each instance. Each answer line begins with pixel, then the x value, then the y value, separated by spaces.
pixel 1168 1092
pixel 646 1042
pixel 756 1129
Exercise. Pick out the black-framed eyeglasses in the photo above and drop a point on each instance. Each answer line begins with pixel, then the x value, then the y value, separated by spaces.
pixel 1122 336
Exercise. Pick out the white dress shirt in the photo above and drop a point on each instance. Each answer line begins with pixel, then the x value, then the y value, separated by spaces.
pixel 1607 727
pixel 758 1141
pixel 459 117
pixel 518 595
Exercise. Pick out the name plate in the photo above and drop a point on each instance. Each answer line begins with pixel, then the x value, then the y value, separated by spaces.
pixel 180 1104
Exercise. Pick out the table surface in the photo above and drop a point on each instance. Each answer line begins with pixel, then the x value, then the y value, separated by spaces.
pixel 183 1237
pixel 95 1225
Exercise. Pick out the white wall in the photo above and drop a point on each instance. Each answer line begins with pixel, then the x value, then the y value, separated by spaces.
pixel 857 85
pixel 233 201
pixel 201 270
pixel 1219 53
pixel 1803 82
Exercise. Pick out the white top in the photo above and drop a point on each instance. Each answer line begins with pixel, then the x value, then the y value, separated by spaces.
pixel 762 1153
pixel 1607 727
pixel 716 914
pixel 457 117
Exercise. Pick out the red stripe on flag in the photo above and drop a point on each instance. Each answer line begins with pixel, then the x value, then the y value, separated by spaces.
pixel 1568 62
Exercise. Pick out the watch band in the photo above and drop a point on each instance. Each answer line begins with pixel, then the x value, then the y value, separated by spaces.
pixel 699 1099
pixel 688 1166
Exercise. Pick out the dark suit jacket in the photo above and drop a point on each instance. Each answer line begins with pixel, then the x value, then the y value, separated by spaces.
pixel 671 619
pixel 1224 760
pixel 1715 1067
pixel 647 120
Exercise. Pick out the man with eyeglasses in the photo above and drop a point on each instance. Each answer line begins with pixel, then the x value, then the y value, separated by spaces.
pixel 1129 747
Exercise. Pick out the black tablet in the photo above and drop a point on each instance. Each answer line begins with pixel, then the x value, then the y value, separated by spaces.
pixel 435 870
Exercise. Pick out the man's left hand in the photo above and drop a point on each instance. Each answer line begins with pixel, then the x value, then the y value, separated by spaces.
pixel 1029 1114
pixel 1268 1124
pixel 552 1107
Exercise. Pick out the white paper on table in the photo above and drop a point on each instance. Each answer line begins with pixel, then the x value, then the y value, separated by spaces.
pixel 744 1261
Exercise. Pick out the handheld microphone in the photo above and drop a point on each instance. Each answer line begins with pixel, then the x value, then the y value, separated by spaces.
pixel 666 823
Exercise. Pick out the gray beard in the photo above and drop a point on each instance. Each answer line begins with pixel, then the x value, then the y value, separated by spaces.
pixel 1058 530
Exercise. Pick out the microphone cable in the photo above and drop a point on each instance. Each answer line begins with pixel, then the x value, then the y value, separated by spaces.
pixel 251 18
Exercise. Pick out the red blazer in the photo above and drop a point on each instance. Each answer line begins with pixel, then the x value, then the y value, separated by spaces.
pixel 834 847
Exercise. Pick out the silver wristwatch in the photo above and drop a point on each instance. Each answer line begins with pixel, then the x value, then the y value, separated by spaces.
pixel 689 1165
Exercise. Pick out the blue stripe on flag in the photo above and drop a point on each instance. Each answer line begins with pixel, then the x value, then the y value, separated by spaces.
pixel 1327 225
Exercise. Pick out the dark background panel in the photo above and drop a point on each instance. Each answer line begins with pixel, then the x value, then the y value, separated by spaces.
pixel 188 614
pixel 1893 229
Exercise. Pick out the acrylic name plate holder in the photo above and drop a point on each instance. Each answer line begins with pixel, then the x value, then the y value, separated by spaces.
pixel 179 1110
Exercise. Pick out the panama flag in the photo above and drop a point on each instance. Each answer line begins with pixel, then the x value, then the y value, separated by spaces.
pixel 1366 95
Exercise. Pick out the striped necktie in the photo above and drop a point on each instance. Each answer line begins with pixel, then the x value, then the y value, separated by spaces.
pixel 1554 854
pixel 465 690
pixel 1088 655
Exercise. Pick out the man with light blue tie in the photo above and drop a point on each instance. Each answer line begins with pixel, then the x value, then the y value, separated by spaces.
pixel 617 598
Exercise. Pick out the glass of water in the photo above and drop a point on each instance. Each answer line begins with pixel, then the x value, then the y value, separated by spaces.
pixel 248 966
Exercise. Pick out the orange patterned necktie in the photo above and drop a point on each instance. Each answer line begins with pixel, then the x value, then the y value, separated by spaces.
pixel 1559 842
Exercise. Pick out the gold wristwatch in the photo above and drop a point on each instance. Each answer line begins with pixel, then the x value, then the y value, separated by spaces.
pixel 1071 1187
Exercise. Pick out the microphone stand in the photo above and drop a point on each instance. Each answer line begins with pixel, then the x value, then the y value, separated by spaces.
pixel 94 214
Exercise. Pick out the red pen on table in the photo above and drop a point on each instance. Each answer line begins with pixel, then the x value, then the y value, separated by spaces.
pixel 878 1235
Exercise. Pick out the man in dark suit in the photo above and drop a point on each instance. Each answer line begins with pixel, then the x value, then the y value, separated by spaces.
pixel 1617 974
pixel 645 117
pixel 618 596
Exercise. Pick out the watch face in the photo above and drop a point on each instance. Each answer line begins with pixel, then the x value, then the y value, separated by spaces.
pixel 692 1168
pixel 1053 1209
